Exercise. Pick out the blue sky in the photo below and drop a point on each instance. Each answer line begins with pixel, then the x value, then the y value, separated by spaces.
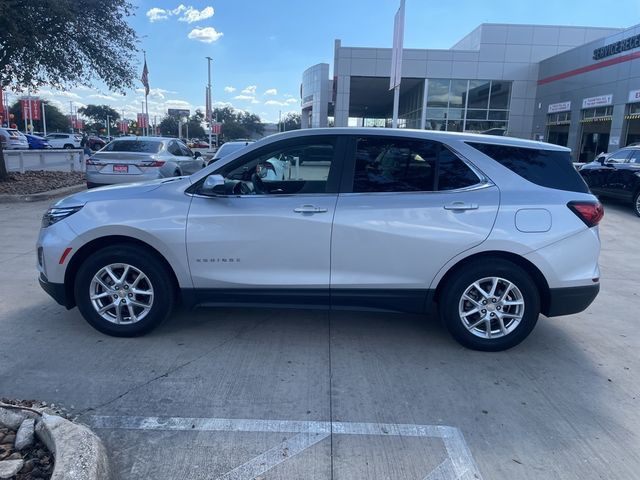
pixel 260 48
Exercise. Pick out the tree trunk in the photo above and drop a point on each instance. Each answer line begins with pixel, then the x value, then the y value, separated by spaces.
pixel 3 167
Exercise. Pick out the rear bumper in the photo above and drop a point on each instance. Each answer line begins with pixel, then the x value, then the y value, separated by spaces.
pixel 55 290
pixel 570 300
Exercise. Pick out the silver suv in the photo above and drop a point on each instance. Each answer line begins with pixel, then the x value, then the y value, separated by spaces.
pixel 495 230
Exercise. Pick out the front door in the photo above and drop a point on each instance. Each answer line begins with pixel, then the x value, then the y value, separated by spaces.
pixel 413 205
pixel 269 237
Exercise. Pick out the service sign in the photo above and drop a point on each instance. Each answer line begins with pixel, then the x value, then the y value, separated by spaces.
pixel 598 101
pixel 559 107
pixel 634 96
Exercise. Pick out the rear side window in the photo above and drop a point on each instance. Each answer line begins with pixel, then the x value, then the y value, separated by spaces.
pixel 141 146
pixel 547 168
pixel 387 164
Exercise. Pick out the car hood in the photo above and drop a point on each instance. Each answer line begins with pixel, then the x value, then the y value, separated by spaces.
pixel 127 190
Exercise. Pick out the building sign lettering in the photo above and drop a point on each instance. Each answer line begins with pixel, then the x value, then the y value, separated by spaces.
pixel 634 96
pixel 559 107
pixel 617 47
pixel 598 101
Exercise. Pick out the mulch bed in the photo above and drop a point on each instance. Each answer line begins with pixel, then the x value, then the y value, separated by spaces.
pixel 38 461
pixel 39 181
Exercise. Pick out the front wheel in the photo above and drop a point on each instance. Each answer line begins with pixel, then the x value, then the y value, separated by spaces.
pixel 490 305
pixel 636 203
pixel 124 291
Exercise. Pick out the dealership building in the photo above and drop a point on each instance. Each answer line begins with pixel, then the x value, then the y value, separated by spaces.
pixel 573 86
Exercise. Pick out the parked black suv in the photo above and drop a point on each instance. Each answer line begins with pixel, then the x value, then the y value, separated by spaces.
pixel 616 175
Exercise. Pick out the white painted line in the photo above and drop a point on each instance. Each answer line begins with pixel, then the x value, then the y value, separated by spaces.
pixel 458 466
pixel 274 456
pixel 444 471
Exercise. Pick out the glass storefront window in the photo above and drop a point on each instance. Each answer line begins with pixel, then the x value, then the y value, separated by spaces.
pixel 458 93
pixel 438 93
pixel 478 94
pixel 458 105
pixel 500 94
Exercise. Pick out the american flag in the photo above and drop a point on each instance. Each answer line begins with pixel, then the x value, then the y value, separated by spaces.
pixel 145 78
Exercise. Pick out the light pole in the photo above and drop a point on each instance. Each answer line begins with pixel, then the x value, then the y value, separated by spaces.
pixel 109 127
pixel 210 107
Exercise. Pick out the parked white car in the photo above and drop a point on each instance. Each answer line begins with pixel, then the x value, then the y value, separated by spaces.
pixel 64 140
pixel 12 139
pixel 495 230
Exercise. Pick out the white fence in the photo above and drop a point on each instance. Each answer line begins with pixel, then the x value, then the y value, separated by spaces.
pixel 60 160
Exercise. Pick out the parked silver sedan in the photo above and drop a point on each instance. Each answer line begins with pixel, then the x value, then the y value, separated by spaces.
pixel 138 159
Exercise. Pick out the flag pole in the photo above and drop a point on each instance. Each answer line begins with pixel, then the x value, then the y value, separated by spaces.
pixel 396 61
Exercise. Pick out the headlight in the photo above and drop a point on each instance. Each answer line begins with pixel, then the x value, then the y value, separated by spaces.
pixel 54 215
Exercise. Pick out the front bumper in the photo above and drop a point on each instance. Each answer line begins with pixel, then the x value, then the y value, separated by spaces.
pixel 57 291
pixel 570 300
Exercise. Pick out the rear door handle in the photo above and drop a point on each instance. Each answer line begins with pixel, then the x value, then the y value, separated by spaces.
pixel 461 206
pixel 309 209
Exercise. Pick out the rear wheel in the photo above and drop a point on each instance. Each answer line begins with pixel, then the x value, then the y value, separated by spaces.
pixel 68 146
pixel 124 291
pixel 490 305
pixel 636 203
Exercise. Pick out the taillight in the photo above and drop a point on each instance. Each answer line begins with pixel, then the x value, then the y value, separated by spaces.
pixel 589 212
pixel 154 163
pixel 94 162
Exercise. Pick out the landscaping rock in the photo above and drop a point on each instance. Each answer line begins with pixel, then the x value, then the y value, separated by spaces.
pixel 24 437
pixel 8 468
pixel 11 419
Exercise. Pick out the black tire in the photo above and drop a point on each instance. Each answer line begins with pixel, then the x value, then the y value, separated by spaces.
pixel 68 146
pixel 146 262
pixel 462 279
pixel 636 203
pixel 177 173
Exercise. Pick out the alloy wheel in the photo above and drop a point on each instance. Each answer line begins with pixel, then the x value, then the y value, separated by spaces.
pixel 491 307
pixel 121 293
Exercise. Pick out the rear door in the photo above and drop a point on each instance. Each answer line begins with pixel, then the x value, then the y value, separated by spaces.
pixel 613 173
pixel 406 207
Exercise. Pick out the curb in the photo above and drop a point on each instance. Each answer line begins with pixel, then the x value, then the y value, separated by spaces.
pixel 79 453
pixel 38 197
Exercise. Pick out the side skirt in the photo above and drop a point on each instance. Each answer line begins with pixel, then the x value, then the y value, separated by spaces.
pixel 389 300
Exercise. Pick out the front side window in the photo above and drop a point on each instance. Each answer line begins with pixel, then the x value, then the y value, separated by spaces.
pixel 635 157
pixel 403 165
pixel 289 169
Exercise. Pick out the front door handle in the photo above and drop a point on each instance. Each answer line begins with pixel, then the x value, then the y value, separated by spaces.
pixel 309 209
pixel 461 206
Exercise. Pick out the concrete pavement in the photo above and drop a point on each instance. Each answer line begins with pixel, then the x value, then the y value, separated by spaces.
pixel 250 393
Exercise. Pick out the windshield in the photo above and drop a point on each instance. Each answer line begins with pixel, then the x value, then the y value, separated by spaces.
pixel 141 146
pixel 229 148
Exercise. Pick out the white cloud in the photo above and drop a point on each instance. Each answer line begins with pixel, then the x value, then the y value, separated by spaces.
pixel 275 102
pixel 222 104
pixel 185 14
pixel 250 90
pixel 156 92
pixel 271 91
pixel 229 89
pixel 194 15
pixel 291 101
pixel 248 98
pixel 156 14
pixel 102 97
pixel 206 34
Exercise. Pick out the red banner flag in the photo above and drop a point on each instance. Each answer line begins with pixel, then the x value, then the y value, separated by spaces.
pixel 143 120
pixel 30 109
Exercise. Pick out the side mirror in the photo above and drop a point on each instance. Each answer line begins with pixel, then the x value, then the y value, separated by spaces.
pixel 601 159
pixel 213 185
pixel 197 155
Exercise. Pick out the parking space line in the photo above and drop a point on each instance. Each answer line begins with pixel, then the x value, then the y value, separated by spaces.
pixel 458 466
pixel 274 456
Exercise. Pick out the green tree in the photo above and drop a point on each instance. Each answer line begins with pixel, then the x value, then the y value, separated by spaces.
pixel 56 120
pixel 232 131
pixel 292 121
pixel 195 125
pixel 251 122
pixel 62 43
pixel 99 115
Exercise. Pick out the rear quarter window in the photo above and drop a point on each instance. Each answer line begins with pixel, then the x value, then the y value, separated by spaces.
pixel 547 168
